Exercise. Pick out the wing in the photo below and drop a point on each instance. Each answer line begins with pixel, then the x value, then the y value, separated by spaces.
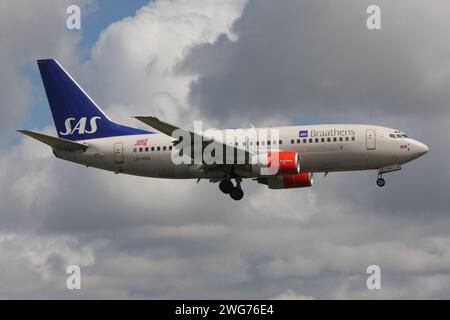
pixel 56 143
pixel 168 129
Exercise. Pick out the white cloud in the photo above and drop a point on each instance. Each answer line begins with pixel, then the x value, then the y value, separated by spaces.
pixel 133 68
pixel 35 266
pixel 30 31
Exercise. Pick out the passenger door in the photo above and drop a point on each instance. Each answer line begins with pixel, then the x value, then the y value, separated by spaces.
pixel 370 139
pixel 118 153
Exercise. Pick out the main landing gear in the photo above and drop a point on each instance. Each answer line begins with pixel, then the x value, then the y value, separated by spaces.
pixel 226 186
pixel 235 192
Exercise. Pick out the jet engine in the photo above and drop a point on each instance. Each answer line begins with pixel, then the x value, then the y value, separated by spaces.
pixel 277 163
pixel 300 180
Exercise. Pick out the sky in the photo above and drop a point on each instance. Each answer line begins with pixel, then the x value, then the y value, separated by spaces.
pixel 230 63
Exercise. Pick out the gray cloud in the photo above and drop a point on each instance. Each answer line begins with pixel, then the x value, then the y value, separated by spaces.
pixel 318 61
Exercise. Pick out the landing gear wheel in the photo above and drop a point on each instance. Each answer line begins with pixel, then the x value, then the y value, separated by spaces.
pixel 381 182
pixel 236 193
pixel 226 186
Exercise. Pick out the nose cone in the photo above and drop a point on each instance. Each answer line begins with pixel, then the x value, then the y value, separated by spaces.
pixel 419 149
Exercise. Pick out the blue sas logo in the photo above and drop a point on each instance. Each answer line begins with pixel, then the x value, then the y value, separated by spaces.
pixel 303 134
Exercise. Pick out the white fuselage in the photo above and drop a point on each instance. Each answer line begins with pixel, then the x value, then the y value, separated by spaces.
pixel 322 148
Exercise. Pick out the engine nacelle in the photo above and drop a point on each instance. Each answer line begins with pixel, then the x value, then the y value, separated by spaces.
pixel 300 180
pixel 277 163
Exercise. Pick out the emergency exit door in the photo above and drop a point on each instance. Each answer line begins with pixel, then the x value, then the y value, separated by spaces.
pixel 370 139
pixel 118 153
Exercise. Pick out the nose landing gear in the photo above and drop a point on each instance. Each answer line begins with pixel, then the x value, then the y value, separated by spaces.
pixel 380 181
pixel 235 192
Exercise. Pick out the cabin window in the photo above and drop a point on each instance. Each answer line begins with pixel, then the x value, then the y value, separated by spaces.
pixel 310 140
pixel 268 143
pixel 322 140
pixel 170 148
pixel 353 139
pixel 328 139
pixel 298 140
pixel 158 148
pixel 146 149
pixel 263 143
pixel 346 139
pixel 304 140
pixel 134 150
pixel 257 143
pixel 292 141
pixel 280 142
pixel 153 149
pixel 164 148
pixel 317 140
pixel 274 142
pixel 341 139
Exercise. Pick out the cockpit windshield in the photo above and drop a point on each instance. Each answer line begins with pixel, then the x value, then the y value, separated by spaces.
pixel 398 135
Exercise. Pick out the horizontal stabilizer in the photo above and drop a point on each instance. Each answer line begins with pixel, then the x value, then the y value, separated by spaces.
pixel 56 143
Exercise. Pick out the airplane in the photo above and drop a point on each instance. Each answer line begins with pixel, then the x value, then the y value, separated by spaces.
pixel 87 136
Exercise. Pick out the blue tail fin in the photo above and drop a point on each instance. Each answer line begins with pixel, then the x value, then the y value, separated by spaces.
pixel 76 115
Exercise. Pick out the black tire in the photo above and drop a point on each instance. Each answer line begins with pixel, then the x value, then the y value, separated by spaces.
pixel 226 186
pixel 236 193
pixel 381 182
